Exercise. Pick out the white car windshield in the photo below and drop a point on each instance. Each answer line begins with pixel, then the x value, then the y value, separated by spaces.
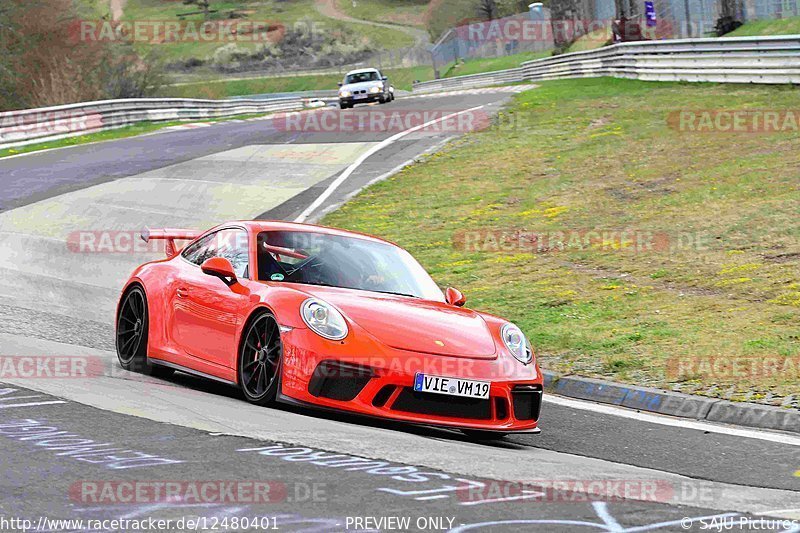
pixel 360 77
pixel 346 262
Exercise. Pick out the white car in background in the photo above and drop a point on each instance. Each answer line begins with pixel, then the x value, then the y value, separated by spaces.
pixel 364 86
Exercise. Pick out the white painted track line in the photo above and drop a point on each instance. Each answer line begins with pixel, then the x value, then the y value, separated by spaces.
pixel 366 155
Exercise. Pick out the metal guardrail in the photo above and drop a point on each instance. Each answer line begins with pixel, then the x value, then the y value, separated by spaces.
pixel 471 81
pixel 19 128
pixel 764 60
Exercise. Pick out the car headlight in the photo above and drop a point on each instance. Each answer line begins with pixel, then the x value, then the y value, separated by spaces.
pixel 324 319
pixel 376 90
pixel 516 343
pixel 344 94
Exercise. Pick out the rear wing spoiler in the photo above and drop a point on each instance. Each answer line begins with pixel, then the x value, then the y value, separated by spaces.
pixel 170 235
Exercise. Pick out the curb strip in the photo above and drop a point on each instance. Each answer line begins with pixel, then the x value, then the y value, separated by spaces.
pixel 673 403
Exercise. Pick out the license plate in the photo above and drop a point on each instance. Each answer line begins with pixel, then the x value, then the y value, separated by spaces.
pixel 360 96
pixel 451 386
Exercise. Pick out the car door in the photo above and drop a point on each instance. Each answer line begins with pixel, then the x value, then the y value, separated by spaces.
pixel 205 310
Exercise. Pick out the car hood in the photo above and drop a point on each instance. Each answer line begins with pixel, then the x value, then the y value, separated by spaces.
pixel 365 85
pixel 414 324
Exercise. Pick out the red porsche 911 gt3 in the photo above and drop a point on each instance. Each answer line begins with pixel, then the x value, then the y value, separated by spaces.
pixel 317 316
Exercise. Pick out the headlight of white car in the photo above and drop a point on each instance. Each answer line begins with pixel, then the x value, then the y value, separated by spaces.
pixel 323 319
pixel 376 90
pixel 516 343
pixel 344 94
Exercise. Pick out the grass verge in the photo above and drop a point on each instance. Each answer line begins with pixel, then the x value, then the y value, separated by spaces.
pixel 405 12
pixel 591 41
pixel 722 281
pixel 787 26
pixel 477 66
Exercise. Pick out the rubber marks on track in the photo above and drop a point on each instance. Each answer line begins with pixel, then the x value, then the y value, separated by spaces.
pixel 196 125
pixel 190 126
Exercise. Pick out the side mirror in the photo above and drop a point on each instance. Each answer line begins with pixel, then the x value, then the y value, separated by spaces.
pixel 385 78
pixel 455 297
pixel 221 268
pixel 339 84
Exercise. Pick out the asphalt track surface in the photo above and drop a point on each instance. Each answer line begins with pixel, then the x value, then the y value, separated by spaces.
pixel 57 302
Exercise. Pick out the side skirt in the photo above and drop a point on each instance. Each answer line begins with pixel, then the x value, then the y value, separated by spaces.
pixel 190 371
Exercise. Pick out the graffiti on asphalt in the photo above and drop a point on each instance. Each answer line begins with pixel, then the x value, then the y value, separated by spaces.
pixel 73 446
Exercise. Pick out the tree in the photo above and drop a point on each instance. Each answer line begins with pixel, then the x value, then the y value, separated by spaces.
pixel 562 13
pixel 9 39
pixel 487 9
pixel 44 61
pixel 729 12
pixel 626 8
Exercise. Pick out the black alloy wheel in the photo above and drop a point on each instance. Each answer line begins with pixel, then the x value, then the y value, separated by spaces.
pixel 132 332
pixel 260 358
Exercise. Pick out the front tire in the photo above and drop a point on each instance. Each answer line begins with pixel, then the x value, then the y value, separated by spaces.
pixel 260 355
pixel 132 332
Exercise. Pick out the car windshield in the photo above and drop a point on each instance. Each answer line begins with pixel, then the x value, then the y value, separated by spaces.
pixel 346 262
pixel 360 77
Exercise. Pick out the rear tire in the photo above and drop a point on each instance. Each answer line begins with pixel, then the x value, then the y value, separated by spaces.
pixel 131 336
pixel 260 356
pixel 480 435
